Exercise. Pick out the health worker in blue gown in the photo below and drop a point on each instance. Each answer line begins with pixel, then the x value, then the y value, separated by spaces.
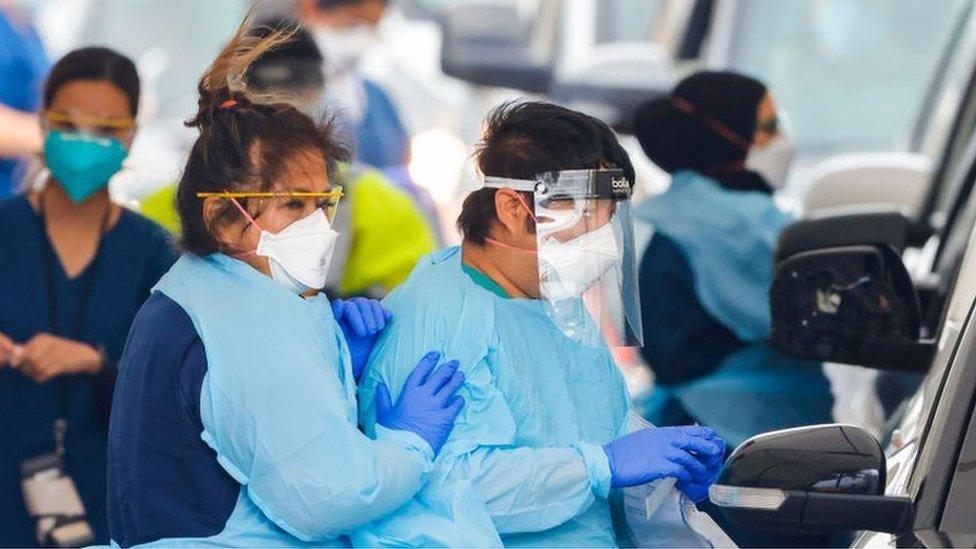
pixel 706 272
pixel 74 270
pixel 234 420
pixel 543 437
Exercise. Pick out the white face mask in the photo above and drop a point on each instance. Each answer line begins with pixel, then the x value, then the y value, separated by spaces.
pixel 344 48
pixel 569 268
pixel 301 253
pixel 772 161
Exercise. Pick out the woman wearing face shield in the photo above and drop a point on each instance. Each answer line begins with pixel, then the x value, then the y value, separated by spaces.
pixel 75 270
pixel 234 419
pixel 706 273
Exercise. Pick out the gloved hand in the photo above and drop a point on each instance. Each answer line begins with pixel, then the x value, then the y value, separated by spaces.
pixel 697 490
pixel 427 405
pixel 649 454
pixel 361 321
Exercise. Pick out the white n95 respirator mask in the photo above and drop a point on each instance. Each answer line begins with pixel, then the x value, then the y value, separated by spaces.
pixel 300 254
pixel 568 269
pixel 772 161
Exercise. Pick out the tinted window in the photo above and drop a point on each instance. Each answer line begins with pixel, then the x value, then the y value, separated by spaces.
pixel 851 73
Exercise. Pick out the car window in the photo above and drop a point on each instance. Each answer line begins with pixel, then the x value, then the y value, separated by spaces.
pixel 625 20
pixel 881 53
pixel 949 89
pixel 959 516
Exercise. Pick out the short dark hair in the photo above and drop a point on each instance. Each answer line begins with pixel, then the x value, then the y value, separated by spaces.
pixel 247 139
pixel 524 139
pixel 94 63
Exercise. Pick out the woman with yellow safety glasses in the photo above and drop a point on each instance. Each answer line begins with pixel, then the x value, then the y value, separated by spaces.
pixel 74 269
pixel 234 421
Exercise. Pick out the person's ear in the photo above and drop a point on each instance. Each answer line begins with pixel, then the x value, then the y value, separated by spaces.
pixel 512 211
pixel 221 230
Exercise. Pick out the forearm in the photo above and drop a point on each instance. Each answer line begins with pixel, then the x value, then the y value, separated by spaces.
pixel 531 490
pixel 20 133
pixel 340 495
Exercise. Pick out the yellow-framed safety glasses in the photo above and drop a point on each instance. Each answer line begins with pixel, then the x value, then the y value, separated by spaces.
pixel 113 127
pixel 328 200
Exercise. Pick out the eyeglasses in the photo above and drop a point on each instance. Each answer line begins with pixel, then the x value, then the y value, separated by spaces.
pixel 328 201
pixel 104 127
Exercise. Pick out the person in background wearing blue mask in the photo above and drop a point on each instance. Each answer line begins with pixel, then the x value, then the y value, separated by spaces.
pixel 234 419
pixel 544 436
pixel 706 273
pixel 75 268
pixel 23 65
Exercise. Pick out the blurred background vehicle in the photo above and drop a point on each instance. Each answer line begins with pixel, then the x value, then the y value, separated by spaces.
pixel 872 87
pixel 852 74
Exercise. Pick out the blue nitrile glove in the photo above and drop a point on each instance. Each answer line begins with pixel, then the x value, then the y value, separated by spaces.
pixel 650 454
pixel 361 321
pixel 427 405
pixel 697 489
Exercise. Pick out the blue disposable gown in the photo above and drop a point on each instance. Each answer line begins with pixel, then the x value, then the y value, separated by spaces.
pixel 728 239
pixel 526 448
pixel 278 407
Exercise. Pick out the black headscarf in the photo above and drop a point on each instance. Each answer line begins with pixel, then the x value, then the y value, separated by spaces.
pixel 705 125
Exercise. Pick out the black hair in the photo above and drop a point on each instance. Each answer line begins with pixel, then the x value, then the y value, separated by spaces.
pixel 247 139
pixel 524 139
pixel 296 64
pixel 705 125
pixel 95 63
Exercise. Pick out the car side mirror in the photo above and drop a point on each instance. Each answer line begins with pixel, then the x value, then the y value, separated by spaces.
pixel 848 304
pixel 492 45
pixel 852 226
pixel 822 478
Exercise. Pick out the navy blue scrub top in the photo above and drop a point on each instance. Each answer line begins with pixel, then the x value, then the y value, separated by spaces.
pixel 133 255
pixel 682 341
pixel 163 479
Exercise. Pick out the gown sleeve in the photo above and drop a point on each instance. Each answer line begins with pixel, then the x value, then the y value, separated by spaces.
pixel 523 489
pixel 299 454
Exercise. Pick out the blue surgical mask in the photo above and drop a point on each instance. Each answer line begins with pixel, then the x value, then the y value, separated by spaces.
pixel 82 164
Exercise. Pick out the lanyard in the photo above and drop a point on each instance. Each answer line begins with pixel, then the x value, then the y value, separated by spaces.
pixel 54 311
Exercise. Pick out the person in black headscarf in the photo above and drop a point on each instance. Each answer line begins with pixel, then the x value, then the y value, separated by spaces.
pixel 705 275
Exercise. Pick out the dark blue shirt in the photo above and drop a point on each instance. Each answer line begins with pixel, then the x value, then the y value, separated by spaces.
pixel 23 66
pixel 163 479
pixel 682 341
pixel 133 254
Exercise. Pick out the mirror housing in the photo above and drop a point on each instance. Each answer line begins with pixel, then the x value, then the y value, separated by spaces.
pixel 491 45
pixel 902 178
pixel 848 304
pixel 852 226
pixel 822 478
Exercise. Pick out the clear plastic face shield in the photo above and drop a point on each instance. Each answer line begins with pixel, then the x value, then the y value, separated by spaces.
pixel 587 256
